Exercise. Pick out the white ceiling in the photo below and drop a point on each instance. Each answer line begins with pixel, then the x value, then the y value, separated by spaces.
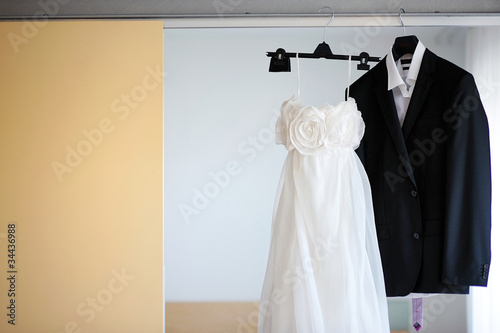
pixel 73 8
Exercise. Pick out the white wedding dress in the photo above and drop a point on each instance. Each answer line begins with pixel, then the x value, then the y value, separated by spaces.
pixel 324 272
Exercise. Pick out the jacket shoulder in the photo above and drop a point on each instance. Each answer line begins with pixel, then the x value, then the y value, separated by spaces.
pixel 447 68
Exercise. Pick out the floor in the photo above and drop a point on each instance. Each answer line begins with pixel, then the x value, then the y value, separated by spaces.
pixel 213 318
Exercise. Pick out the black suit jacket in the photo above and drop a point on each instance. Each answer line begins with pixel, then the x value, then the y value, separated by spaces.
pixel 430 179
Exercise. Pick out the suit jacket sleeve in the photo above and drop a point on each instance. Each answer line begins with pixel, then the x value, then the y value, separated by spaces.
pixel 467 248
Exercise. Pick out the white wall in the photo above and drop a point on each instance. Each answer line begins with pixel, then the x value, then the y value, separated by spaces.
pixel 220 107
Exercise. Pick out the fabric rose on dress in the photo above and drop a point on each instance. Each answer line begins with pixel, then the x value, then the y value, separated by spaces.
pixel 353 126
pixel 345 125
pixel 333 137
pixel 307 131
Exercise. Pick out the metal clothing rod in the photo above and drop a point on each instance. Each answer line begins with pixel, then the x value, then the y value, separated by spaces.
pixel 230 15
pixel 229 20
pixel 341 20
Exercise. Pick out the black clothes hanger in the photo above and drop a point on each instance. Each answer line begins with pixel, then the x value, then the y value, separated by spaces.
pixel 280 60
pixel 404 44
pixel 323 50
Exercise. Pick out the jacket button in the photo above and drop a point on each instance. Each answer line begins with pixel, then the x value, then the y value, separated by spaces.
pixel 416 235
pixel 414 193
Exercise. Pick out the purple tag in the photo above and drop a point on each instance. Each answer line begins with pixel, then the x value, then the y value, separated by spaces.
pixel 417 313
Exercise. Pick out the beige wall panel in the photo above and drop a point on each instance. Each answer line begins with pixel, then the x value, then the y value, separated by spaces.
pixel 81 176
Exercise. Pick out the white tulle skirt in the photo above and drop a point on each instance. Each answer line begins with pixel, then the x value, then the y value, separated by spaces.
pixel 324 272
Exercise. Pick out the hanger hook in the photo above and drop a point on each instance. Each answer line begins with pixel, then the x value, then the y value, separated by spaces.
pixel 401 10
pixel 331 18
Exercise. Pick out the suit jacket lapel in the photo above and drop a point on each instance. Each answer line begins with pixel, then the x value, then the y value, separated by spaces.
pixel 422 86
pixel 388 107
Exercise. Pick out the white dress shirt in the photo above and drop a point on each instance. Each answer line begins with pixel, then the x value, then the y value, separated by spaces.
pixel 401 79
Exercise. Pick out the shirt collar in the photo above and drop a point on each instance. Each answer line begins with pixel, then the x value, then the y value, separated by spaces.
pixel 394 78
